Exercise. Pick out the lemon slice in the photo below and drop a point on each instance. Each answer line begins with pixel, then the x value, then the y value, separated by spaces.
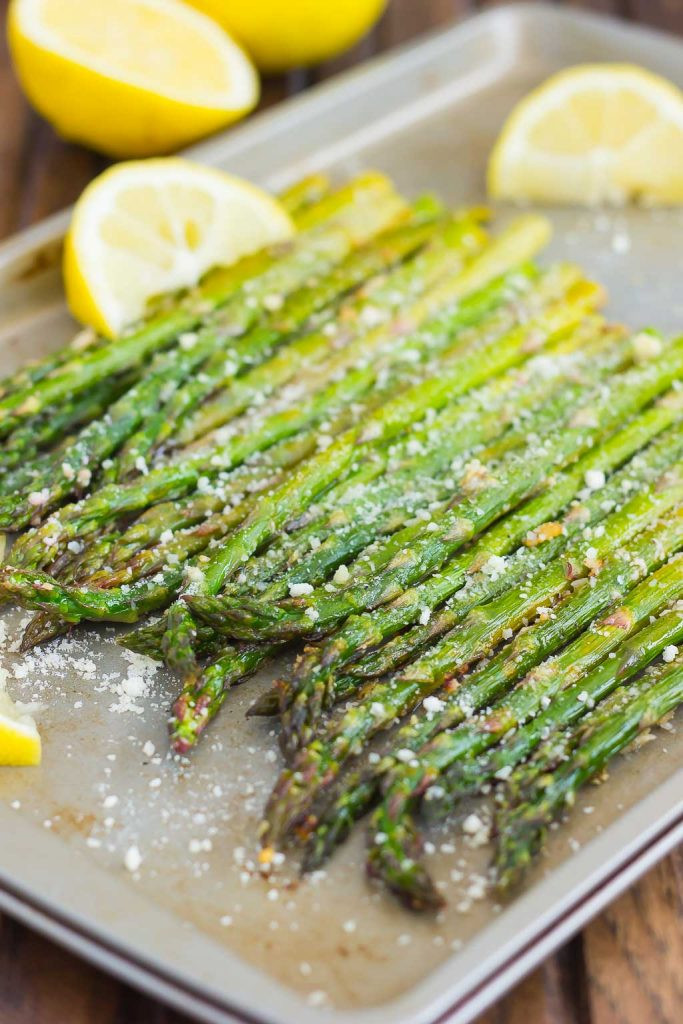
pixel 133 78
pixel 151 226
pixel 19 739
pixel 596 133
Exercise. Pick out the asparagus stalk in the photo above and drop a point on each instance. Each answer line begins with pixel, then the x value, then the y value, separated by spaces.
pixel 375 257
pixel 320 560
pixel 156 592
pixel 378 302
pixel 301 200
pixel 259 474
pixel 305 193
pixel 363 632
pixel 359 788
pixel 177 478
pixel 350 210
pixel 349 800
pixel 100 439
pixel 604 734
pixel 398 414
pixel 200 701
pixel 319 612
pixel 515 478
pixel 416 484
pixel 316 766
pixel 304 484
pixel 444 754
pixel 25 448
pixel 575 699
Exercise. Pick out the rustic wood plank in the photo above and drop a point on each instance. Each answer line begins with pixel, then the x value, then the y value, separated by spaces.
pixel 13 154
pixel 43 984
pixel 615 7
pixel 553 994
pixel 667 14
pixel 634 952
pixel 405 19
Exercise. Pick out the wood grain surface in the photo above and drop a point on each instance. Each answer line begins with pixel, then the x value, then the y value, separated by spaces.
pixel 627 966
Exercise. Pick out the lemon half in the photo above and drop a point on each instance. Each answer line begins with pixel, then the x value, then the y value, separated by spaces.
pixel 151 226
pixel 596 133
pixel 283 34
pixel 130 78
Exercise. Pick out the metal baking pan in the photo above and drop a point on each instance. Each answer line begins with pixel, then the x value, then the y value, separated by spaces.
pixel 329 948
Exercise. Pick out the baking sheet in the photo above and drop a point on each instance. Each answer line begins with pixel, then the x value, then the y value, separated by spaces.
pixel 196 924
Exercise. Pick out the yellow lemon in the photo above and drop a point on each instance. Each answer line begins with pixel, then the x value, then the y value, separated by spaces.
pixel 282 34
pixel 151 226
pixel 596 133
pixel 130 78
pixel 19 739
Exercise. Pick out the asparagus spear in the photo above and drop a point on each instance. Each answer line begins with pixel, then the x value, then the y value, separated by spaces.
pixel 364 632
pixel 575 699
pixel 515 478
pixel 353 208
pixel 319 561
pixel 301 200
pixel 305 193
pixel 101 439
pixel 350 799
pixel 600 737
pixel 410 643
pixel 375 257
pixel 377 303
pixel 315 766
pixel 259 474
pixel 25 448
pixel 364 508
pixel 71 469
pixel 314 567
pixel 176 478
pixel 201 700
pixel 406 783
pixel 157 591
pixel 319 612
pixel 301 487
pixel 418 481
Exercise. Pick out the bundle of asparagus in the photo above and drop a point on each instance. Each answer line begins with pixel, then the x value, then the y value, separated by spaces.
pixel 401 443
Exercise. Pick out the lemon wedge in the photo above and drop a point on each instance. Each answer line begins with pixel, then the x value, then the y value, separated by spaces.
pixel 134 78
pixel 151 226
pixel 19 739
pixel 596 133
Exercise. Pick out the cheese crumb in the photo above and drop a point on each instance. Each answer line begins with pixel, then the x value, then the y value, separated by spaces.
pixel 37 498
pixel 300 589
pixel 433 704
pixel 493 565
pixel 132 859
pixel 595 479
pixel 342 575
pixel 646 346
pixel 670 653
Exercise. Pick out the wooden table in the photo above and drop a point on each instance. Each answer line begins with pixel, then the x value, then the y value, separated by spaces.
pixel 624 968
